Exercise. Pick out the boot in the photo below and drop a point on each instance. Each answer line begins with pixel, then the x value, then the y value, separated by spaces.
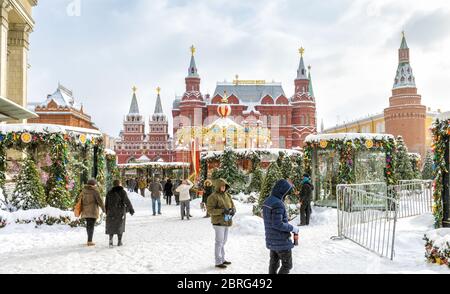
pixel 120 241
pixel 111 242
pixel 90 244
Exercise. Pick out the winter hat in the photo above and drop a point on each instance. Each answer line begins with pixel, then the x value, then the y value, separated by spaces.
pixel 92 182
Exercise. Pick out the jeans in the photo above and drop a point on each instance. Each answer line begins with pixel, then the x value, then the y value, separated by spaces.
pixel 185 208
pixel 221 240
pixel 90 225
pixel 154 200
pixel 286 262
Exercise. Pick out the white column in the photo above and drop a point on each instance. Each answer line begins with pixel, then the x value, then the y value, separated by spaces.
pixel 5 8
pixel 18 62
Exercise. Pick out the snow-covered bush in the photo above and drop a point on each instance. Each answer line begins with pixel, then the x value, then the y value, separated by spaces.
pixel 46 216
pixel 246 198
pixel 438 247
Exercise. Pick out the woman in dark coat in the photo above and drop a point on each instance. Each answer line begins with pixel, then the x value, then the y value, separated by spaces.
pixel 117 205
pixel 168 191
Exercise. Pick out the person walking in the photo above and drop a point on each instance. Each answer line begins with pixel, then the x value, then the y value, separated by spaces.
pixel 136 185
pixel 117 205
pixel 156 189
pixel 185 198
pixel 206 193
pixel 90 203
pixel 142 186
pixel 278 230
pixel 168 191
pixel 220 207
pixel 176 194
pixel 305 200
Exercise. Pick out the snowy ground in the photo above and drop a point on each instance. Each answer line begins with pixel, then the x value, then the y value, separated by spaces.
pixel 165 245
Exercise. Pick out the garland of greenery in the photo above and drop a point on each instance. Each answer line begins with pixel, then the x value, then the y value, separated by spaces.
pixel 58 145
pixel 346 150
pixel 441 135
pixel 101 166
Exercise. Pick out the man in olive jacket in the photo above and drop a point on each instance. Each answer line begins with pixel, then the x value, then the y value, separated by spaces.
pixel 221 208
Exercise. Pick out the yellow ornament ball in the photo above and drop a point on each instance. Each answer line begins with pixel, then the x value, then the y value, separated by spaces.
pixel 26 138
pixel 323 144
pixel 369 144
pixel 83 139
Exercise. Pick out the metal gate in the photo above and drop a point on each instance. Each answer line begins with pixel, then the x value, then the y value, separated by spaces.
pixel 368 213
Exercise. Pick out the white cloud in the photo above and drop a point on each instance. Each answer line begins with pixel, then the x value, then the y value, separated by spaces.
pixel 352 46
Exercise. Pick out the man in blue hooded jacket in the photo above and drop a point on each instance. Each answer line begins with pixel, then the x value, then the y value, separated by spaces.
pixel 278 230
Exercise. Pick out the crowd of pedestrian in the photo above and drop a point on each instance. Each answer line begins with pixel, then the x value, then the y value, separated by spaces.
pixel 280 236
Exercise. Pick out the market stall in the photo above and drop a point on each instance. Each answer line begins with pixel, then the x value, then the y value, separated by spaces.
pixel 62 159
pixel 334 159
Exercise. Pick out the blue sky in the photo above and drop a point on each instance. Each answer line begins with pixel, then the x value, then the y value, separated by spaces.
pixel 352 46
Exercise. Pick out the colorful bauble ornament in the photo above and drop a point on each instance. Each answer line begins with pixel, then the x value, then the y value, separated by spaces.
pixel 224 110
pixel 83 139
pixel 369 144
pixel 26 138
pixel 323 144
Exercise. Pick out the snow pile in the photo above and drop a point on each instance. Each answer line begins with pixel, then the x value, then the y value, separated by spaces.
pixel 46 216
pixel 138 201
pixel 246 198
pixel 438 246
pixel 248 225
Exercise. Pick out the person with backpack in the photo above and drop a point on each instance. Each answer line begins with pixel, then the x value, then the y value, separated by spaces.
pixel 91 201
pixel 117 205
pixel 278 230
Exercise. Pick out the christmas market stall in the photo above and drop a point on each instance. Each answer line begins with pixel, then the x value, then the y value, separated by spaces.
pixel 47 165
pixel 441 209
pixel 151 170
pixel 334 159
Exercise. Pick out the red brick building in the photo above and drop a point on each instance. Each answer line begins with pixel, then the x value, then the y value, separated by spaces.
pixel 135 145
pixel 60 108
pixel 290 120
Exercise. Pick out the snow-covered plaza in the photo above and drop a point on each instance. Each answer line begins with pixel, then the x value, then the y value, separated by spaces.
pixel 166 245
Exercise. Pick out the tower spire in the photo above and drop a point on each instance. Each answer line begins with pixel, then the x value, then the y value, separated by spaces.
pixel 158 107
pixel 404 76
pixel 192 72
pixel 301 72
pixel 134 108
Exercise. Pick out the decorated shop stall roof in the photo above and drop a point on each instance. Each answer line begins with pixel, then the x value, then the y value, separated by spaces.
pixel 110 152
pixel 163 165
pixel 248 152
pixel 31 132
pixel 348 137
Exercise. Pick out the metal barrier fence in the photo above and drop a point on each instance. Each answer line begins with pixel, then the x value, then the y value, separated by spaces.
pixel 414 197
pixel 367 218
pixel 367 213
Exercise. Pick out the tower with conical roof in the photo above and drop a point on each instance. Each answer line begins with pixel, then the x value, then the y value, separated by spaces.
pixel 158 137
pixel 304 121
pixel 132 134
pixel 191 107
pixel 406 115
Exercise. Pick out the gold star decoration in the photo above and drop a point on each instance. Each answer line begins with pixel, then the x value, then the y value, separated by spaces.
pixel 193 50
pixel 301 51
